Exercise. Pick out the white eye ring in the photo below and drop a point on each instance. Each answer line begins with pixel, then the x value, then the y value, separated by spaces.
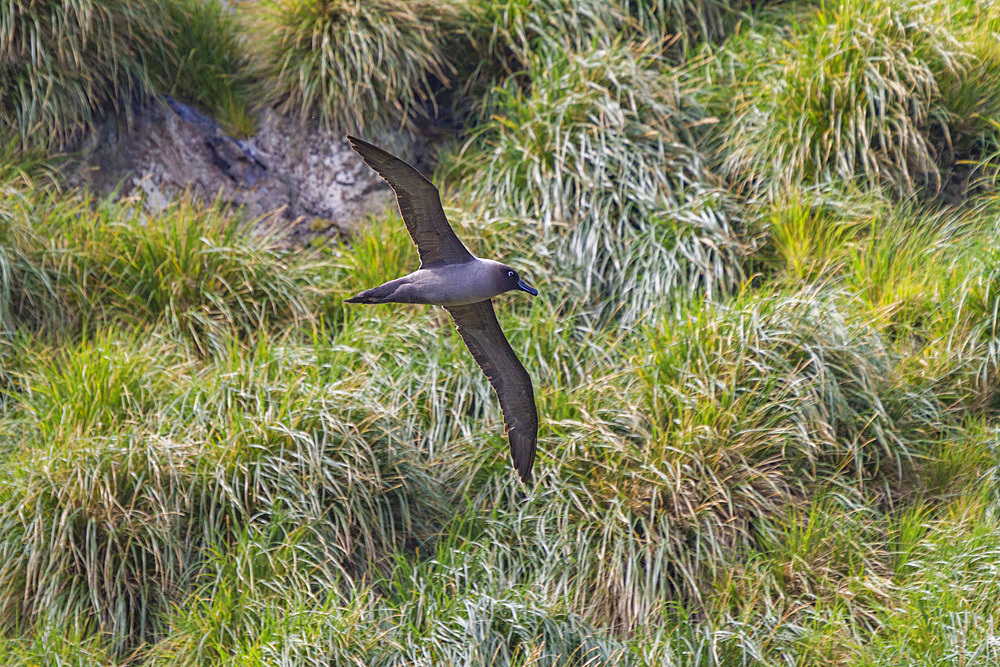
pixel 510 273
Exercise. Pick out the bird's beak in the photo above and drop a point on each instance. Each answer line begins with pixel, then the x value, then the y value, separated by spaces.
pixel 521 285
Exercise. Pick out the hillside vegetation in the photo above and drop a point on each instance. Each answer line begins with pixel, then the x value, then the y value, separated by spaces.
pixel 766 349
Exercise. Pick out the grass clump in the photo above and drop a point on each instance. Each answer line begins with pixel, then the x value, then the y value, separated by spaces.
pixel 597 151
pixel 101 384
pixel 356 66
pixel 944 597
pixel 199 269
pixel 117 551
pixel 154 460
pixel 665 450
pixel 263 600
pixel 693 22
pixel 923 278
pixel 28 293
pixel 808 232
pixel 741 411
pixel 65 64
pixel 460 591
pixel 853 90
pixel 508 34
pixel 52 644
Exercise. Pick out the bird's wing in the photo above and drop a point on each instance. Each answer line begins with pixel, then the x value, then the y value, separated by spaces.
pixel 482 334
pixel 420 206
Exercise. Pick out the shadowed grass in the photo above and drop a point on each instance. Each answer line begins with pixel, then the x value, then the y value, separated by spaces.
pixel 205 62
pixel 28 292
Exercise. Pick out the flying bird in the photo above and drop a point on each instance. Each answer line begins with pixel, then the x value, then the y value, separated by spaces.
pixel 452 277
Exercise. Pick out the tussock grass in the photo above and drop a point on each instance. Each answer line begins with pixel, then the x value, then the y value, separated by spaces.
pixel 52 644
pixel 768 426
pixel 652 477
pixel 877 91
pixel 80 259
pixel 597 155
pixel 461 591
pixel 734 415
pixel 946 599
pixel 66 63
pixel 154 462
pixel 921 277
pixel 693 22
pixel 256 603
pixel 808 232
pixel 509 34
pixel 346 491
pixel 357 66
pixel 115 554
pixel 102 384
pixel 28 291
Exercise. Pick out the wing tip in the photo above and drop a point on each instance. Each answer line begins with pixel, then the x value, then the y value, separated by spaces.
pixel 523 454
pixel 378 159
pixel 525 475
pixel 356 143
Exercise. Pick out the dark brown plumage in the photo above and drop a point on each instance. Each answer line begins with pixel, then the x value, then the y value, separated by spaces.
pixel 450 276
pixel 477 323
pixel 419 204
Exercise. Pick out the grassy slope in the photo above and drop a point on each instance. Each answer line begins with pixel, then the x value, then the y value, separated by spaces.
pixel 769 428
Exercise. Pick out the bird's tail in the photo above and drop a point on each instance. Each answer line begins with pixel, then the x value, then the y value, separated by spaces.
pixel 381 294
pixel 363 297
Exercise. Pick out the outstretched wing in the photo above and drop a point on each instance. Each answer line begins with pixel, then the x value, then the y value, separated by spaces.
pixel 419 204
pixel 477 323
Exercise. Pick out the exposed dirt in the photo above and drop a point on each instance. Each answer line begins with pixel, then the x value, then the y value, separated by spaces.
pixel 297 179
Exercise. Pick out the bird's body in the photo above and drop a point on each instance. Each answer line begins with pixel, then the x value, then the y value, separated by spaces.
pixel 452 277
pixel 444 285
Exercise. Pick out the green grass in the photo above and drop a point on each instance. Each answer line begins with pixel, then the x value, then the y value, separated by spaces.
pixel 77 260
pixel 883 92
pixel 508 33
pixel 691 22
pixel 765 357
pixel 642 220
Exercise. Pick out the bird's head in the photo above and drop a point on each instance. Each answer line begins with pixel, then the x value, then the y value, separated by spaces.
pixel 512 281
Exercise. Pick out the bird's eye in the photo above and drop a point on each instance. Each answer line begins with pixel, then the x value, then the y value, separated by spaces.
pixel 510 273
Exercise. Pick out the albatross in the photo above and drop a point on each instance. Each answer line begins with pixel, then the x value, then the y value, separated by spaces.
pixel 452 277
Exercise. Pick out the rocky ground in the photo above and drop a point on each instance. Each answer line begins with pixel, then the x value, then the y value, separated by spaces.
pixel 297 179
